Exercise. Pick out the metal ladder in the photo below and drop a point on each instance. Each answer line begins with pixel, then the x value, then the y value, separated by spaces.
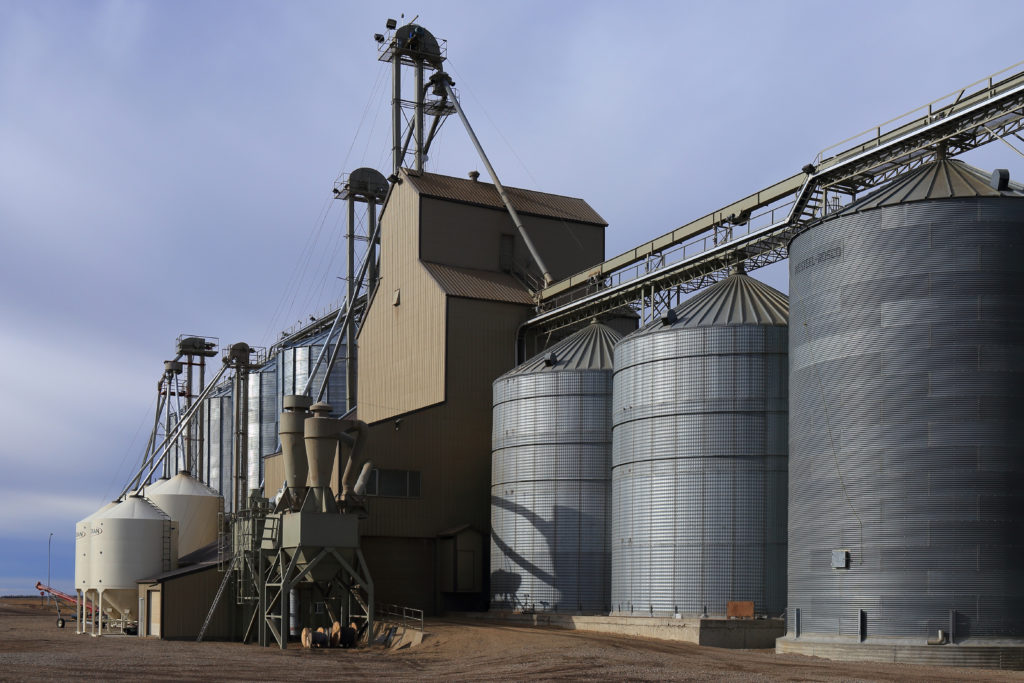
pixel 216 599
pixel 167 546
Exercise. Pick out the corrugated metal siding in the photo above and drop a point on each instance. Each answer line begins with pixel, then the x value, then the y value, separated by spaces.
pixel 403 570
pixel 450 443
pixel 263 419
pixel 186 602
pixel 550 489
pixel 909 332
pixel 470 283
pixel 699 470
pixel 217 444
pixel 550 478
pixel 524 201
pixel 293 366
pixel 402 359
pixel 470 237
pixel 273 474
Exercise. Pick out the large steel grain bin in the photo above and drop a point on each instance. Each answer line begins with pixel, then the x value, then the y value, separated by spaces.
pixel 294 362
pixel 218 442
pixel 550 469
pixel 699 462
pixel 263 412
pixel 906 518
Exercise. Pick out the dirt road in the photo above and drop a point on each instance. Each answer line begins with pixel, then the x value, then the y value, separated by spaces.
pixel 33 648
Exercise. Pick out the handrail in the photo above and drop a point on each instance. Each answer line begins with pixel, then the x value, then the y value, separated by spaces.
pixel 891 151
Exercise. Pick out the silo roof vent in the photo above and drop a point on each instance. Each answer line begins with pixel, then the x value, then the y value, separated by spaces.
pixel 587 349
pixel 737 300
pixel 943 179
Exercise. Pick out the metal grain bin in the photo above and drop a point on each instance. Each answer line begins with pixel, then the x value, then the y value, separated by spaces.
pixel 218 463
pixel 263 412
pixel 293 365
pixel 550 469
pixel 699 456
pixel 906 488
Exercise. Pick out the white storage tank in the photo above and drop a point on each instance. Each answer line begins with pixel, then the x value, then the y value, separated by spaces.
pixel 83 565
pixel 132 540
pixel 194 506
pixel 83 543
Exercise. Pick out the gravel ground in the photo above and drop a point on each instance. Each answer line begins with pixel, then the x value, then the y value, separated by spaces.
pixel 33 648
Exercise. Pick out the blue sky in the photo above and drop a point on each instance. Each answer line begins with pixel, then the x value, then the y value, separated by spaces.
pixel 167 167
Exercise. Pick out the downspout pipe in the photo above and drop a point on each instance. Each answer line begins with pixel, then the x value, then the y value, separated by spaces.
pixel 355 443
pixel 497 183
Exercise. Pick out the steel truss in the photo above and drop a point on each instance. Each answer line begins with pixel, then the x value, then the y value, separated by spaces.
pixel 757 229
pixel 346 593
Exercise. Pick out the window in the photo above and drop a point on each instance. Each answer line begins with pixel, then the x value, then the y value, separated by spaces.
pixel 393 483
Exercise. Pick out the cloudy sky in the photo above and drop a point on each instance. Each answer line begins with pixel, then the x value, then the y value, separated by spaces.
pixel 166 168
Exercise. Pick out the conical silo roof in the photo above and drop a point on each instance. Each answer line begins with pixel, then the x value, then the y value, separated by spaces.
pixel 183 484
pixel 132 507
pixel 737 300
pixel 942 179
pixel 588 349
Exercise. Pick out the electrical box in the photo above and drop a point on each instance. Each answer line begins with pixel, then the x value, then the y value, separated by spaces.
pixel 840 559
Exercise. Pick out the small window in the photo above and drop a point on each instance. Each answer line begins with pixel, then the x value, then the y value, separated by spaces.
pixel 393 483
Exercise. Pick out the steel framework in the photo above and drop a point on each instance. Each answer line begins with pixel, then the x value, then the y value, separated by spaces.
pixel 757 229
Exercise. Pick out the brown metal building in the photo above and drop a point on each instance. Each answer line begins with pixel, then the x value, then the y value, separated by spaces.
pixel 174 604
pixel 441 326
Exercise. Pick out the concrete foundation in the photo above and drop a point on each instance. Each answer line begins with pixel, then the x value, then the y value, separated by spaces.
pixel 757 634
pixel 980 653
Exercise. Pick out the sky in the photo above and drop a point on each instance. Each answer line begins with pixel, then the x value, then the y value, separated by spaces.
pixel 166 168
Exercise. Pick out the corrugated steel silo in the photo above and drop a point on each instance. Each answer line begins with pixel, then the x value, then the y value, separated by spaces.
pixel 906 488
pixel 699 456
pixel 293 364
pixel 218 427
pixel 263 412
pixel 550 471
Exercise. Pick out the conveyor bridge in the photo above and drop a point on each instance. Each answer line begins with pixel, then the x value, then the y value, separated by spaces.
pixel 757 228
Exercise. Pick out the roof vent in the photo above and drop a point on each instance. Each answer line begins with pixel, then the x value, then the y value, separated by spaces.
pixel 1000 179
pixel 669 317
pixel 551 359
pixel 474 176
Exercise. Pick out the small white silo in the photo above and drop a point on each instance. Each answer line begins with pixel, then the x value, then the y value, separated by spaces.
pixel 132 540
pixel 83 560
